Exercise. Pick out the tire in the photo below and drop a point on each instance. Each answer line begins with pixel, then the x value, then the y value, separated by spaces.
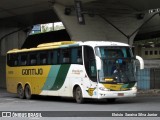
pixel 20 92
pixel 27 90
pixel 111 100
pixel 78 95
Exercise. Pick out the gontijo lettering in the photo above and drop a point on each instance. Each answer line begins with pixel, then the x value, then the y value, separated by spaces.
pixel 38 71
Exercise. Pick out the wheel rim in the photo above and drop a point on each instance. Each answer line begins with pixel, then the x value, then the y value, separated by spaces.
pixel 27 92
pixel 79 95
pixel 20 92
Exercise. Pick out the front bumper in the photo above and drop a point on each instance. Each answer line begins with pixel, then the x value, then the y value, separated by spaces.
pixel 116 94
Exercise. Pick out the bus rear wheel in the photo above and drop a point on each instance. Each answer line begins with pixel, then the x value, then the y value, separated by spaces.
pixel 20 92
pixel 27 90
pixel 78 95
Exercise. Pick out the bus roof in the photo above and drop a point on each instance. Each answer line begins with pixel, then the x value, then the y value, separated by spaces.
pixel 54 45
pixel 103 43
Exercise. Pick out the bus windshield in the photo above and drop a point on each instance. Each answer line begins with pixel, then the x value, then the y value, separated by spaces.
pixel 117 64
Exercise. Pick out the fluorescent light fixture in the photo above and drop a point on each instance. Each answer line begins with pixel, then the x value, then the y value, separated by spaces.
pixel 150 42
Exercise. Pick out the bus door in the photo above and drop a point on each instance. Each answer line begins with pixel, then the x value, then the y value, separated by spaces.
pixel 91 71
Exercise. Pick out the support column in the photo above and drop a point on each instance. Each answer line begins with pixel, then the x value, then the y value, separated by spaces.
pixel 96 28
pixel 11 41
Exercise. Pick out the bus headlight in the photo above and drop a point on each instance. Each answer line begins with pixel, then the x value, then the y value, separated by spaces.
pixel 103 89
pixel 134 88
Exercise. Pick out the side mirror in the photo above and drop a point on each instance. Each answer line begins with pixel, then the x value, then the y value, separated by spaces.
pixel 98 63
pixel 140 61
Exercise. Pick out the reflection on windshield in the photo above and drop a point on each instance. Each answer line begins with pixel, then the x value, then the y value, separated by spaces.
pixel 117 64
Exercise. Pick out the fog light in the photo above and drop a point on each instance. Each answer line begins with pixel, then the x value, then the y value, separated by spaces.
pixel 103 89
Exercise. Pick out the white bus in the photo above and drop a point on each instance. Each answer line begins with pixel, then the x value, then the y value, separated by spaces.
pixel 92 69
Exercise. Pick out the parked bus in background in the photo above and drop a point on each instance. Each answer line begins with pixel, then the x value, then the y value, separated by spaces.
pixel 92 69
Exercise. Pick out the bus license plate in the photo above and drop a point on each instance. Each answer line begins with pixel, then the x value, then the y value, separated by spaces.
pixel 120 94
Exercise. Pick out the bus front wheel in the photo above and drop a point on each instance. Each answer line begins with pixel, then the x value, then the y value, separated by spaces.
pixel 20 92
pixel 27 90
pixel 78 95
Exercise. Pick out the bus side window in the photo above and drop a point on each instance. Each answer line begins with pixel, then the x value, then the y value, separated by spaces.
pixel 44 58
pixel 33 59
pixel 12 59
pixel 54 57
pixel 79 60
pixel 79 57
pixel 23 60
pixel 76 55
pixel 65 56
pixel 15 63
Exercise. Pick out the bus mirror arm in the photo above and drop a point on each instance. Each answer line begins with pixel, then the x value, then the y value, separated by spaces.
pixel 98 63
pixel 140 61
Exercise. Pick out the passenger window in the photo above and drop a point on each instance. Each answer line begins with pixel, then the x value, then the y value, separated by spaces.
pixel 76 55
pixel 54 57
pixel 65 56
pixel 12 59
pixel 33 59
pixel 23 60
pixel 44 58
